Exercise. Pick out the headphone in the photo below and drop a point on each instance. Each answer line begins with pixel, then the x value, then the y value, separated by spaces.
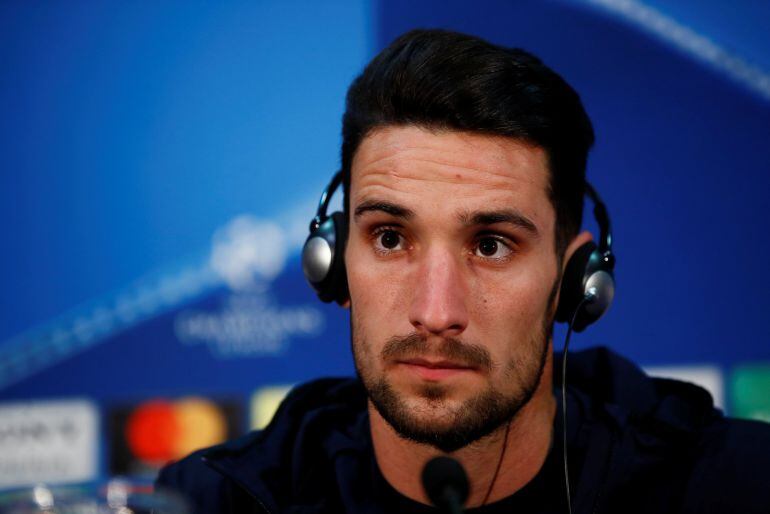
pixel 588 284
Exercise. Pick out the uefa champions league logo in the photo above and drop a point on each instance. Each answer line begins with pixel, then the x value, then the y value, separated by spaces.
pixel 248 326
pixel 247 255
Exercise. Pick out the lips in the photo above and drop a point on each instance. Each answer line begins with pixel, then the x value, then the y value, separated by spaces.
pixel 435 364
pixel 433 371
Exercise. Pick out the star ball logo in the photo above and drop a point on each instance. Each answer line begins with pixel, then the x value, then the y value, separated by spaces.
pixel 247 255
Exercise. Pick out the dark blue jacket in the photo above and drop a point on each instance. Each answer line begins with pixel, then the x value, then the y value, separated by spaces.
pixel 647 445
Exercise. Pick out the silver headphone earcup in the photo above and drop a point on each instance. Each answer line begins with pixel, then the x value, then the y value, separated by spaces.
pixel 317 255
pixel 601 286
pixel 323 259
pixel 587 274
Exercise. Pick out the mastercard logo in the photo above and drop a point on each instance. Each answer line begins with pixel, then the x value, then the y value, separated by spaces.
pixel 158 431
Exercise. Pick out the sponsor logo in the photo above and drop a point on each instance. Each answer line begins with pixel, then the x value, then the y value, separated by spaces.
pixel 264 402
pixel 708 377
pixel 51 441
pixel 749 392
pixel 145 436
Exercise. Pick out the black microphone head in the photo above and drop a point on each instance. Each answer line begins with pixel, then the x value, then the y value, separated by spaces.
pixel 444 479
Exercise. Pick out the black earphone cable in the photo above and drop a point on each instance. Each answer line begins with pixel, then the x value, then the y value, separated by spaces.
pixel 587 298
pixel 499 464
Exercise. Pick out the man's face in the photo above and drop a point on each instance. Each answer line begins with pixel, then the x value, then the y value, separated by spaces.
pixel 452 276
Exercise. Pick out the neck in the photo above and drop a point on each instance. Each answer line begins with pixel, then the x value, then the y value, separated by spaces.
pixel 521 454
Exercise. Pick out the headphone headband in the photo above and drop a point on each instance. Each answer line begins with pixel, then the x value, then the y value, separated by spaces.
pixel 323 203
pixel 602 219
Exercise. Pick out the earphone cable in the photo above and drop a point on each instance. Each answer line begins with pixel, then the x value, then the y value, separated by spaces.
pixel 587 298
pixel 499 463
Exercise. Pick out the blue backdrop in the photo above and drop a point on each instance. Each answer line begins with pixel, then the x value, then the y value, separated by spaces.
pixel 161 162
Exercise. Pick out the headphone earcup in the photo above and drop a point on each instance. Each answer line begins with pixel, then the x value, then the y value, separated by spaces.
pixel 337 288
pixel 323 259
pixel 572 292
pixel 587 271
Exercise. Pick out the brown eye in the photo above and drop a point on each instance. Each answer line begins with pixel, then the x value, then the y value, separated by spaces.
pixel 493 248
pixel 389 239
pixel 488 247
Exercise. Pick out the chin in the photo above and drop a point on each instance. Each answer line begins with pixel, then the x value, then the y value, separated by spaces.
pixel 436 419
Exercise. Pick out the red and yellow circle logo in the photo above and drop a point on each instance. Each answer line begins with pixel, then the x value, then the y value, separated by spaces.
pixel 158 431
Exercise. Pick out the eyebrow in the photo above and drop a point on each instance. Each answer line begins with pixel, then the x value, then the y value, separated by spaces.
pixel 510 216
pixel 386 207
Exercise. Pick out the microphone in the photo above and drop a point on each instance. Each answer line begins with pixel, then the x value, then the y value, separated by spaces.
pixel 446 484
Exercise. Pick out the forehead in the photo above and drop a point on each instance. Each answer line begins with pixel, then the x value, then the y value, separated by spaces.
pixel 442 169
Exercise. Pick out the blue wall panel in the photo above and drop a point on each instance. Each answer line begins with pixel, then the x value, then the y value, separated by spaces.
pixel 131 132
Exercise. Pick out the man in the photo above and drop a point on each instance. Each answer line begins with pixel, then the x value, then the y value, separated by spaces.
pixel 463 167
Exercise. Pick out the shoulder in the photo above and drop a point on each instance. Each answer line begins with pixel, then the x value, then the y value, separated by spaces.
pixel 732 468
pixel 200 485
pixel 671 438
pixel 737 441
pixel 206 483
pixel 190 471
pixel 228 477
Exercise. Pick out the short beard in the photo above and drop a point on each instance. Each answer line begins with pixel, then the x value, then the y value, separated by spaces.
pixel 474 419
pixel 477 417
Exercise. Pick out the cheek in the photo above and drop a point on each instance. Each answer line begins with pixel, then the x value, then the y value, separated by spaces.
pixel 358 277
pixel 374 318
pixel 365 285
pixel 376 289
pixel 512 303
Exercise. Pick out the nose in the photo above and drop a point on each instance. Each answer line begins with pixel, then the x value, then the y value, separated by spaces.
pixel 439 302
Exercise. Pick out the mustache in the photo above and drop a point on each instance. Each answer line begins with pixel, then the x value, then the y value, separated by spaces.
pixel 416 345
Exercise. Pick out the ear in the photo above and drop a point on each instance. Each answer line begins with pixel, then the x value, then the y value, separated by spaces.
pixel 580 239
pixel 346 305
